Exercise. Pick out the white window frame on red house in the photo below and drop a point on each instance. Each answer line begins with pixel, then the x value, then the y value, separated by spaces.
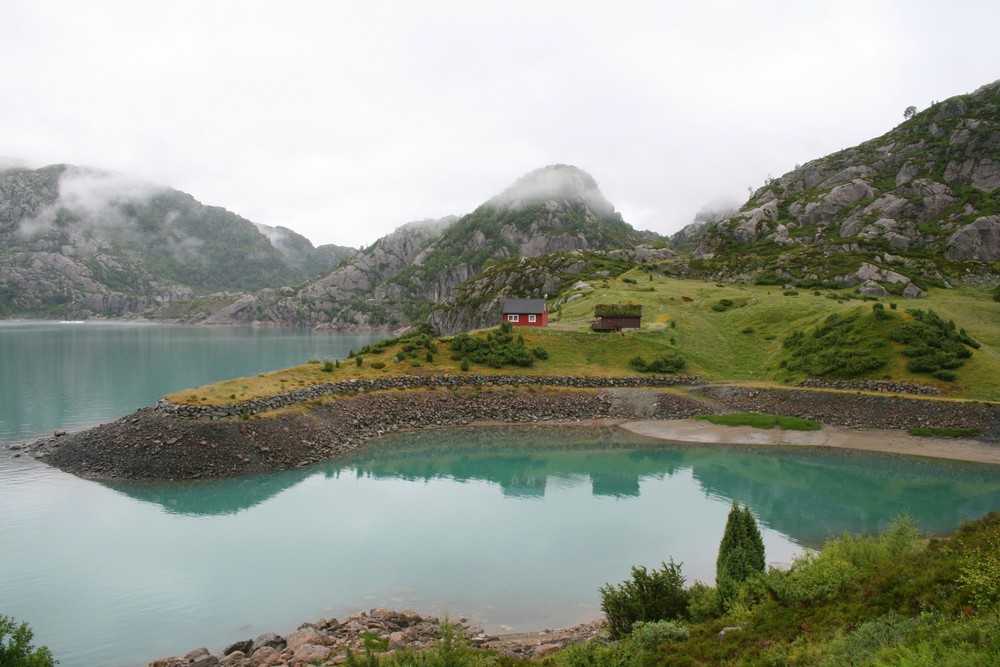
pixel 513 318
pixel 531 319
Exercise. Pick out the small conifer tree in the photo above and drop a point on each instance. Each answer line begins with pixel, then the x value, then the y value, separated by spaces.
pixel 741 552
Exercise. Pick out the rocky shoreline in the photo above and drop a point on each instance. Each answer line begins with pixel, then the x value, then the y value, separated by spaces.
pixel 328 641
pixel 167 442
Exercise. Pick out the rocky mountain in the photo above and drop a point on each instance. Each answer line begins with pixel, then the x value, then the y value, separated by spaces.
pixel 902 207
pixel 476 303
pixel 398 280
pixel 80 242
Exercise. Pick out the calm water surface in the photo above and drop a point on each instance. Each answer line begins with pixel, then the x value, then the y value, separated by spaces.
pixel 512 527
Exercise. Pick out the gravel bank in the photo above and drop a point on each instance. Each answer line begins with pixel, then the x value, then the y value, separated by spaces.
pixel 155 443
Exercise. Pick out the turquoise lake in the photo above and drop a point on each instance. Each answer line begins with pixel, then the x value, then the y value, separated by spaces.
pixel 511 527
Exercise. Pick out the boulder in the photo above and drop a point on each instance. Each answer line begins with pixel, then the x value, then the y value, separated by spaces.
pixel 913 292
pixel 268 639
pixel 872 288
pixel 978 241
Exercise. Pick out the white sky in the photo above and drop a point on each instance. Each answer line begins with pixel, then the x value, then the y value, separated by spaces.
pixel 344 120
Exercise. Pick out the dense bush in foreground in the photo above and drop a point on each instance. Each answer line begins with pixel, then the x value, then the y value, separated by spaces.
pixel 16 649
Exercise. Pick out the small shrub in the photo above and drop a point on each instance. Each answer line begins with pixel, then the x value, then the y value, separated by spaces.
pixel 790 292
pixel 328 367
pixel 358 360
pixel 747 330
pixel 703 602
pixel 980 576
pixel 377 365
pixel 630 281
pixel 429 357
pixel 540 353
pixel 650 634
pixel 868 638
pixel 464 365
pixel 649 596
pixel 947 376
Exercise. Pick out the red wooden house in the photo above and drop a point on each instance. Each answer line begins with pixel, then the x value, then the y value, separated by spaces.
pixel 525 312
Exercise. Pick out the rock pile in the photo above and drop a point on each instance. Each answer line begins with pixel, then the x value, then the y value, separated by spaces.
pixel 873 385
pixel 327 641
pixel 853 410
pixel 153 443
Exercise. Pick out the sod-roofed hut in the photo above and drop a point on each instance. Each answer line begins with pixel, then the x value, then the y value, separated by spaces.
pixel 616 316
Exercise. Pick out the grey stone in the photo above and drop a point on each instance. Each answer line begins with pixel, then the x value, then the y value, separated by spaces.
pixel 872 288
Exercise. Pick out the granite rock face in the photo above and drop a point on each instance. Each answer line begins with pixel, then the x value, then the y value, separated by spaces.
pixel 930 187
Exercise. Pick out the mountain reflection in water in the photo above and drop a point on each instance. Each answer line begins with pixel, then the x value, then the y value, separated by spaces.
pixel 802 493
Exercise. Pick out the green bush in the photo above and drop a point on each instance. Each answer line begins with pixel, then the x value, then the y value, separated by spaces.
pixel 703 602
pixel 464 365
pixel 358 360
pixel 16 649
pixel 328 366
pixel 650 634
pixel 867 639
pixel 980 576
pixel 540 353
pixel 498 349
pixel 377 365
pixel 824 574
pixel 649 596
pixel 669 362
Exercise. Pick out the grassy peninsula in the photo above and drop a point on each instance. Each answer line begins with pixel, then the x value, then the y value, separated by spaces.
pixel 731 333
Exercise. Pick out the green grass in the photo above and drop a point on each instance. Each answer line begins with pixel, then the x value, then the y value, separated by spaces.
pixel 945 432
pixel 762 420
pixel 741 344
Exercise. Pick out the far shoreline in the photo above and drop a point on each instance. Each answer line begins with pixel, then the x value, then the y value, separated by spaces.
pixel 889 441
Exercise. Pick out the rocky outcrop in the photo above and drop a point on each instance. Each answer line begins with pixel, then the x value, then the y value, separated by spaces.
pixel 327 641
pixel 979 240
pixel 929 186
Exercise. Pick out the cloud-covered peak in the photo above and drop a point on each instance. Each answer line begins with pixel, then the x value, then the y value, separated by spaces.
pixel 559 182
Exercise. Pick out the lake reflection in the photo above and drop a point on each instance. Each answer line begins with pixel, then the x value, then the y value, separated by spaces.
pixel 515 527
pixel 799 492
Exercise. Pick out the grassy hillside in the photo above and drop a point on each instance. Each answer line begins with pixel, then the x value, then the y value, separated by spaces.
pixel 722 332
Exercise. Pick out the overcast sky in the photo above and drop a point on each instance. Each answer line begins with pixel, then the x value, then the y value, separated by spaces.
pixel 344 120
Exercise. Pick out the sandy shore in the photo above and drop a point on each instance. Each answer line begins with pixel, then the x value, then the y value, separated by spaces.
pixel 876 440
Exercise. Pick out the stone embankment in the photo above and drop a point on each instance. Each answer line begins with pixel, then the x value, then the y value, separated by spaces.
pixel 873 385
pixel 167 442
pixel 859 410
pixel 327 641
pixel 154 443
pixel 319 391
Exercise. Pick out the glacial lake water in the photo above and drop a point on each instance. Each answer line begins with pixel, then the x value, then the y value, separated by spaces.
pixel 511 527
